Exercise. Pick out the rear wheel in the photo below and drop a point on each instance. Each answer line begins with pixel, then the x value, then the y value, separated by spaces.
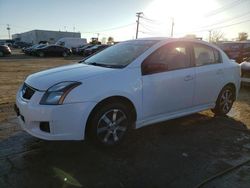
pixel 109 124
pixel 225 101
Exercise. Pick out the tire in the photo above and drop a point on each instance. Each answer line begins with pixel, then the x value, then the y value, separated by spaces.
pixel 224 101
pixel 109 124
pixel 41 54
pixel 64 54
pixel 1 54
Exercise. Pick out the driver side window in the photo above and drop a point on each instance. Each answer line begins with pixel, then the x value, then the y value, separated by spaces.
pixel 167 58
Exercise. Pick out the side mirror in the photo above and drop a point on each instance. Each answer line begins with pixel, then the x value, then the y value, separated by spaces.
pixel 151 68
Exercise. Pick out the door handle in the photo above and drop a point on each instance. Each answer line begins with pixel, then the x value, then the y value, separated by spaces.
pixel 188 77
pixel 220 71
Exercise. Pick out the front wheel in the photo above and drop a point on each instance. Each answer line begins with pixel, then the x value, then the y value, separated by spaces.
pixel 110 124
pixel 224 101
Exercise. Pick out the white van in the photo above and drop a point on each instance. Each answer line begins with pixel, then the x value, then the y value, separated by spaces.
pixel 71 42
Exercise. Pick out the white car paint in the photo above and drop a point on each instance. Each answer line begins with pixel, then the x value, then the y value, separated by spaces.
pixel 155 97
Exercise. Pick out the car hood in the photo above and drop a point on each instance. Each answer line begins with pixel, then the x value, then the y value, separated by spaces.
pixel 76 72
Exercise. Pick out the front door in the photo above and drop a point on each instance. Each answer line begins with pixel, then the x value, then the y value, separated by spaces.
pixel 168 80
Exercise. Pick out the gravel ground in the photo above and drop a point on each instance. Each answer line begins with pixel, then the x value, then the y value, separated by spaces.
pixel 178 153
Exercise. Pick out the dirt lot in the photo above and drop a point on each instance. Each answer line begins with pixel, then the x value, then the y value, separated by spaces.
pixel 177 153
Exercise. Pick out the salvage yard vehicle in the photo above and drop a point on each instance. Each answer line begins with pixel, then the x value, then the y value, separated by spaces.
pixel 129 85
pixel 4 50
pixel 236 50
pixel 20 44
pixel 30 50
pixel 94 49
pixel 70 42
pixel 245 72
pixel 52 50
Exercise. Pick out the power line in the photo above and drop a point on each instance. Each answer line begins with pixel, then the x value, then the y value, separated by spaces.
pixel 214 28
pixel 224 8
pixel 227 20
pixel 109 29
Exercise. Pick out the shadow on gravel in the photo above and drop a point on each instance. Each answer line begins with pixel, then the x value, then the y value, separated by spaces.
pixel 176 153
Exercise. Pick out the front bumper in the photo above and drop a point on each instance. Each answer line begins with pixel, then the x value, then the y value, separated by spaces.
pixel 66 122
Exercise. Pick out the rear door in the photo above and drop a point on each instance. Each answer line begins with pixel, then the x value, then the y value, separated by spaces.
pixel 209 74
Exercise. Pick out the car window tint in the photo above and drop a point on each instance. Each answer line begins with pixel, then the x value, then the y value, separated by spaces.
pixel 204 55
pixel 217 56
pixel 172 56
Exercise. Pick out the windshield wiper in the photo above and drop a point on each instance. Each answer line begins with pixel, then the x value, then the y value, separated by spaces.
pixel 104 65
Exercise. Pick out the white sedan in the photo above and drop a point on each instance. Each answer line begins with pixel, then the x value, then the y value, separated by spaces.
pixel 129 85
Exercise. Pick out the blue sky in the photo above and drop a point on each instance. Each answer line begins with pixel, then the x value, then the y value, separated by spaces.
pixel 117 17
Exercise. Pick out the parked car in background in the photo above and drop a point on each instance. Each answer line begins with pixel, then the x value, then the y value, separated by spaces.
pixel 94 49
pixel 71 42
pixel 52 50
pixel 21 44
pixel 245 72
pixel 30 50
pixel 4 50
pixel 128 85
pixel 236 50
pixel 80 50
pixel 7 42
pixel 26 50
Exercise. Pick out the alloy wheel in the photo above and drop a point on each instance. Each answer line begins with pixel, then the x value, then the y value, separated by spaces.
pixel 226 101
pixel 112 126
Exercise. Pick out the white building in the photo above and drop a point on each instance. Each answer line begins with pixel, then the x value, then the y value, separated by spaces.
pixel 36 36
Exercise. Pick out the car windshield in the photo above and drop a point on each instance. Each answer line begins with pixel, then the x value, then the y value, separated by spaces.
pixel 121 54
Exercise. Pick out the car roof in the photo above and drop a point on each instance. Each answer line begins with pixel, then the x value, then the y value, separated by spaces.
pixel 166 39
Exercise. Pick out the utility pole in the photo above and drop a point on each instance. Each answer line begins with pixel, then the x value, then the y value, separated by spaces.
pixel 8 28
pixel 210 34
pixel 172 28
pixel 138 14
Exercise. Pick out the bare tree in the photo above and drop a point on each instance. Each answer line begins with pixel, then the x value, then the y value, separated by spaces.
pixel 215 36
pixel 242 36
pixel 110 40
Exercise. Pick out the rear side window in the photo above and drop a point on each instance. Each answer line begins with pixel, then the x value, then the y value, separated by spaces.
pixel 205 55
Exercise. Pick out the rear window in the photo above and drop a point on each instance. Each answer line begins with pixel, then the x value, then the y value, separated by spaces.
pixel 205 55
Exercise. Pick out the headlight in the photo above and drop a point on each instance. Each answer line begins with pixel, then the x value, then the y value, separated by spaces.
pixel 56 94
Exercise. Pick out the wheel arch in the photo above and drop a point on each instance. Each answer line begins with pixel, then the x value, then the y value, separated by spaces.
pixel 107 100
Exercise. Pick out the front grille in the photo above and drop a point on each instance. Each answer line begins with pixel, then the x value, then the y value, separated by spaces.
pixel 27 91
pixel 245 74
